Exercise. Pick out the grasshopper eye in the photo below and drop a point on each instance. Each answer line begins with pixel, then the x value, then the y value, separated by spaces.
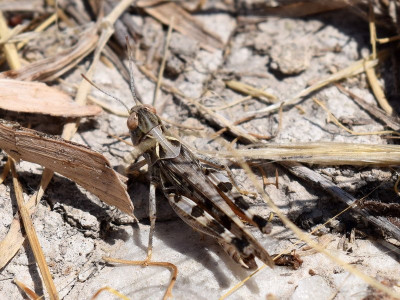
pixel 150 108
pixel 132 121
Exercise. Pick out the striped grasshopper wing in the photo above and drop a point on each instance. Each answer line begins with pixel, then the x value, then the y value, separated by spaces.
pixel 189 190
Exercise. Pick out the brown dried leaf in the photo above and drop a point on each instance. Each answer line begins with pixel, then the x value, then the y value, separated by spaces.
pixel 86 167
pixel 37 97
pixel 184 23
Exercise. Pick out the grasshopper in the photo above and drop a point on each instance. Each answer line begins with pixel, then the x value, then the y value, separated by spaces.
pixel 193 191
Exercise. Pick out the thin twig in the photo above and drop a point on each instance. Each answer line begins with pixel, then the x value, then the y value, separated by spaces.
pixel 250 90
pixel 374 111
pixel 172 267
pixel 32 237
pixel 336 121
pixel 164 59
pixel 110 290
pixel 378 91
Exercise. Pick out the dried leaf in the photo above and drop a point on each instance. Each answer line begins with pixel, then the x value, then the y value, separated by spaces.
pixel 86 167
pixel 37 97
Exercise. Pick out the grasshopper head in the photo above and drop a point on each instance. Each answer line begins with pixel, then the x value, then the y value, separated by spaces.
pixel 142 119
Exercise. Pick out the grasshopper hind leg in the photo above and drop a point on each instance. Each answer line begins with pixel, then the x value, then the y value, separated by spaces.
pixel 239 205
pixel 201 221
pixel 246 262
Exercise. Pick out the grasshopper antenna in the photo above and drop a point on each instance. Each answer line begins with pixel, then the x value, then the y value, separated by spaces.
pixel 104 92
pixel 136 96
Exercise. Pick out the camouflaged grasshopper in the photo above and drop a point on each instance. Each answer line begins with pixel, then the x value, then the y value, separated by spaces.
pixel 193 191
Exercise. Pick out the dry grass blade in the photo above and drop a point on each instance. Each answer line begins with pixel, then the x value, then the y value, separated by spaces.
pixel 91 99
pixel 164 60
pixel 9 49
pixel 172 267
pixel 249 90
pixel 371 75
pixel 336 121
pixel 110 290
pixel 10 245
pixel 51 68
pixel 184 23
pixel 24 37
pixel 84 87
pixel 13 32
pixel 37 97
pixel 117 11
pixel 32 237
pixel 14 238
pixel 374 111
pixel 50 20
pixel 323 153
pixel 223 122
pixel 378 92
pixel 233 103
pixel 106 33
pixel 27 290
